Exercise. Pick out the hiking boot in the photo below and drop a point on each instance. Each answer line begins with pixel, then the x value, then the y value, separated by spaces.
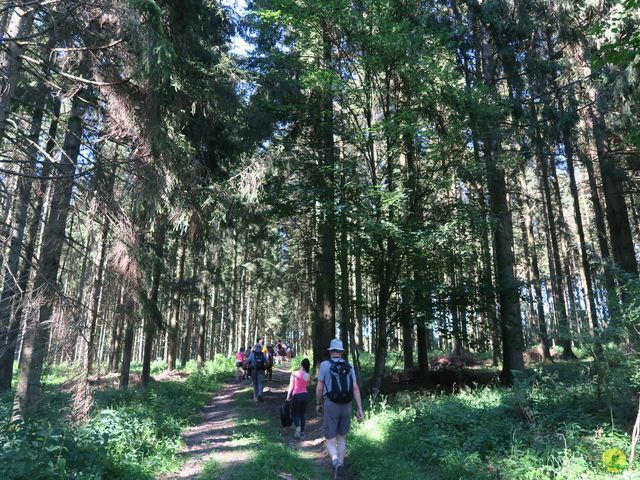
pixel 338 472
pixel 260 399
pixel 297 433
pixel 337 469
pixel 301 434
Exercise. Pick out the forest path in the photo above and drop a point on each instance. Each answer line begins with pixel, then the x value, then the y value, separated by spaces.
pixel 239 438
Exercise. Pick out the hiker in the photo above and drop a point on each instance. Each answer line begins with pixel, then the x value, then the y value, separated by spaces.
pixel 246 370
pixel 239 363
pixel 297 393
pixel 257 363
pixel 281 351
pixel 262 345
pixel 271 355
pixel 337 387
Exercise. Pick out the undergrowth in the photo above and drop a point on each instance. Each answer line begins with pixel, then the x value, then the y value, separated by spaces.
pixel 555 424
pixel 131 434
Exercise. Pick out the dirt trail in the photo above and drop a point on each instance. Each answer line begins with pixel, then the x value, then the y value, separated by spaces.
pixel 213 438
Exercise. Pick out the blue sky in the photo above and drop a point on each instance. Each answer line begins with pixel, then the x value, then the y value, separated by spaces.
pixel 239 46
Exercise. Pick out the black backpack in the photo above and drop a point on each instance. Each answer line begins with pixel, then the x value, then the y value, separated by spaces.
pixel 341 388
pixel 258 360
pixel 286 415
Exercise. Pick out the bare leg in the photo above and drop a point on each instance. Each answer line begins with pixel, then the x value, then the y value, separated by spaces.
pixel 332 448
pixel 341 447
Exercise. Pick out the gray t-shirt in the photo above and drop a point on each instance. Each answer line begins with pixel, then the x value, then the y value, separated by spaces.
pixel 325 374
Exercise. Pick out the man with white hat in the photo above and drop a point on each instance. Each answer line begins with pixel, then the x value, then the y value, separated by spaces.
pixel 337 388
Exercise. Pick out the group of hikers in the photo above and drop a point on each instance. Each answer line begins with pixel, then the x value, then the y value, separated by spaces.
pixel 272 355
pixel 336 389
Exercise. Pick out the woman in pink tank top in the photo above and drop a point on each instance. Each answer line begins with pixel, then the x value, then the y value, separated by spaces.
pixel 297 393
pixel 239 359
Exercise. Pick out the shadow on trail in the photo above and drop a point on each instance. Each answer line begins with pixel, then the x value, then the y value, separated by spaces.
pixel 260 443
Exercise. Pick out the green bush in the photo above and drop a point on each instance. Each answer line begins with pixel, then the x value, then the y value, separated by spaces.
pixel 552 425
pixel 131 433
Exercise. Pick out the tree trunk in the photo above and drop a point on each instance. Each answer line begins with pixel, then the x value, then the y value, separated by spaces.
pixel 557 281
pixel 488 291
pixel 585 266
pixel 345 300
pixel 423 358
pixel 20 24
pixel 512 341
pixel 127 351
pixel 603 243
pixel 90 354
pixel 535 272
pixel 172 337
pixel 454 309
pixel 116 336
pixel 11 293
pixel 106 193
pixel 406 320
pixel 216 314
pixel 35 345
pixel 325 320
pixel 381 335
pixel 616 207
pixel 569 291
pixel 202 326
pixel 153 315
pixel 185 355
pixel 186 350
pixel 8 353
pixel 358 307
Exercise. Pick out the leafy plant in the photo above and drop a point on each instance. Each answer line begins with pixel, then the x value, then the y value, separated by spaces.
pixel 131 433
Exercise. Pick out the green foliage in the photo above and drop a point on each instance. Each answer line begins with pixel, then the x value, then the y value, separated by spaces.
pixel 619 35
pixel 631 311
pixel 551 426
pixel 130 434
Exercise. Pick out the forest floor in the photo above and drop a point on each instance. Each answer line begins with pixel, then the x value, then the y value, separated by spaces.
pixel 239 438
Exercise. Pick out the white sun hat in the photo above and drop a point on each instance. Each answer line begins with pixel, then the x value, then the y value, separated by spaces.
pixel 336 345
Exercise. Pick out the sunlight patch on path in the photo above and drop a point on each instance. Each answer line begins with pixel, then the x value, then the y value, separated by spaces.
pixel 239 438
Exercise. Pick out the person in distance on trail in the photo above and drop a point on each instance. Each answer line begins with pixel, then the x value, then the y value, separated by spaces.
pixel 257 363
pixel 261 342
pixel 298 393
pixel 336 390
pixel 239 360
pixel 270 359
pixel 280 351
pixel 246 370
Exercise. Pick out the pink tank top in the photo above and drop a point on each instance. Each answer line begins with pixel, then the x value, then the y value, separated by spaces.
pixel 299 383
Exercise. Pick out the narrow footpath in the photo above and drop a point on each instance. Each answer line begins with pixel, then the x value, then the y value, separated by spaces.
pixel 240 439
